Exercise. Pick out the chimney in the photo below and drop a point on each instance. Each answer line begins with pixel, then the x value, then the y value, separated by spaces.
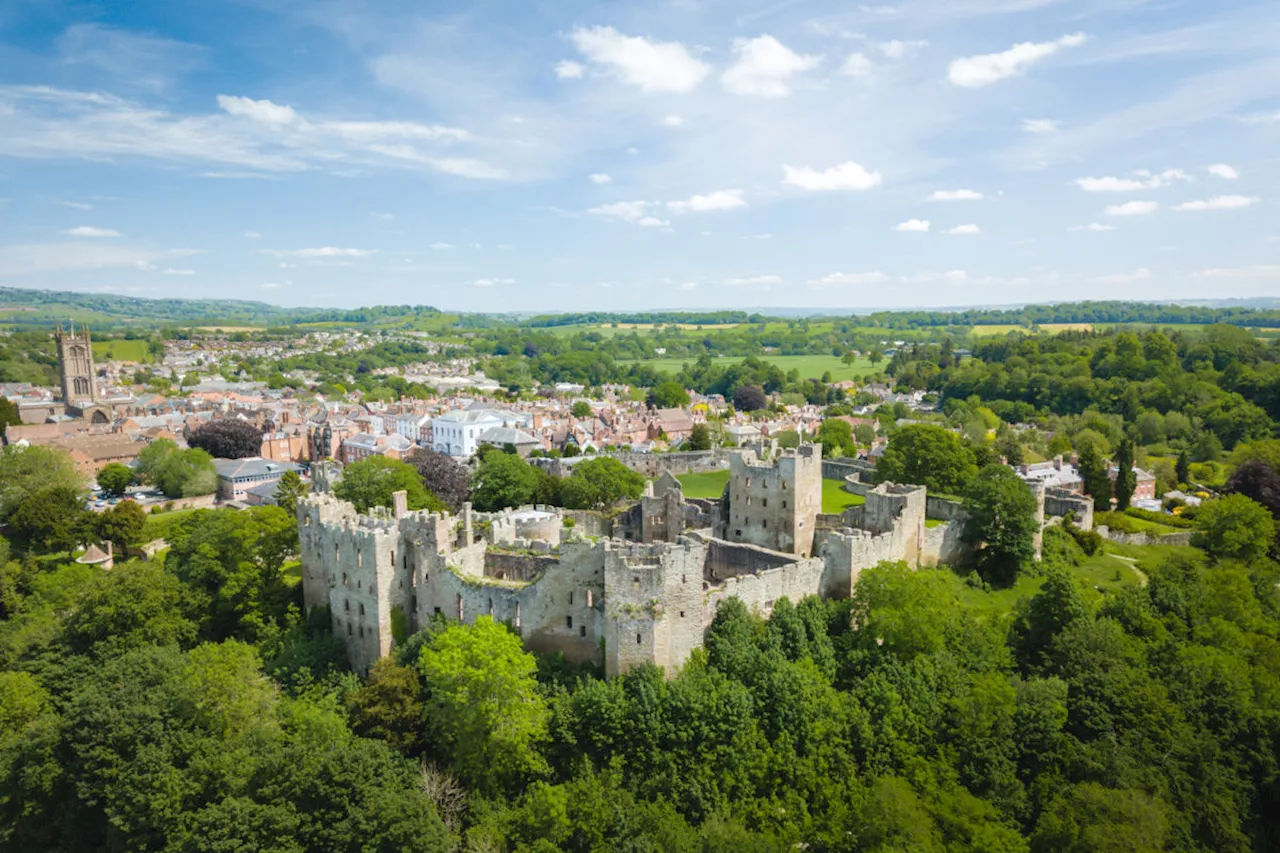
pixel 1057 462
pixel 399 503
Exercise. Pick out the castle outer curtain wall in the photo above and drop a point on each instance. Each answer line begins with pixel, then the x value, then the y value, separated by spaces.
pixel 565 583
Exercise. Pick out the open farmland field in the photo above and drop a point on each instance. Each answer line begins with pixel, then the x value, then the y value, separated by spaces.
pixel 997 329
pixel 122 351
pixel 1054 328
pixel 810 366
pixel 229 329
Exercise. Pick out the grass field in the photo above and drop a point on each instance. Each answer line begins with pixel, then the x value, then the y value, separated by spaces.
pixel 230 328
pixel 711 485
pixel 1101 575
pixel 122 351
pixel 810 366
pixel 157 526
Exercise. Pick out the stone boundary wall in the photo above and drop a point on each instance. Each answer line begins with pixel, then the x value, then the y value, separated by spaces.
pixel 941 509
pixel 840 469
pixel 1180 538
pixel 683 462
pixel 515 567
pixel 588 522
pixel 730 559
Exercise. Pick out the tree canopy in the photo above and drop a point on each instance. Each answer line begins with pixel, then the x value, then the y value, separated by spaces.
pixel 371 482
pixel 928 455
pixel 227 438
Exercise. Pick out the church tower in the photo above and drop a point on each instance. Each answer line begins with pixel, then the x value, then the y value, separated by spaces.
pixel 75 363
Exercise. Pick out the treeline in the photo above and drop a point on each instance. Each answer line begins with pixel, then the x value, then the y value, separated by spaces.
pixel 1079 312
pixel 689 318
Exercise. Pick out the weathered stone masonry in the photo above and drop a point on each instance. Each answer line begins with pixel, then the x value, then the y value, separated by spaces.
pixel 638 587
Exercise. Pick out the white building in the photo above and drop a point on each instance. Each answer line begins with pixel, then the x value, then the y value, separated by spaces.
pixel 412 426
pixel 458 433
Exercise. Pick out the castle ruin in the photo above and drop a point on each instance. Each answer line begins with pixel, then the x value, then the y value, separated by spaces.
pixel 639 587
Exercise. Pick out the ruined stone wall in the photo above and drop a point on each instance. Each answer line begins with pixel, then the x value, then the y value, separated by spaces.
pixel 589 523
pixel 943 544
pixel 1060 502
pixel 761 590
pixel 839 469
pixel 943 509
pixel 652 465
pixel 527 523
pixel 500 565
pixel 730 559
pixel 774 506
pixel 654 599
pixel 899 512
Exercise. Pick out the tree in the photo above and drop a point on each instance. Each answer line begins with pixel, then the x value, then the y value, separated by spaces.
pixel 581 409
pixel 115 478
pixel 1093 471
pixel 668 395
pixel 503 481
pixel 1126 479
pixel 187 473
pixel 227 438
pixel 1183 469
pixel 1008 446
pixel 1002 523
pixel 699 437
pixel 787 438
pixel 1089 818
pixel 1057 605
pixel 928 455
pixel 371 482
pixel 1257 481
pixel 836 438
pixel 289 491
pixel 388 706
pixel 749 398
pixel 484 709
pixel 122 524
pixel 26 470
pixel 600 483
pixel 876 355
pixel 9 414
pixel 235 559
pixel 865 434
pixel 54 518
pixel 444 476
pixel 1234 526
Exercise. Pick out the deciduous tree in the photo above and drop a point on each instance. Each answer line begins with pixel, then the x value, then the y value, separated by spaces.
pixel 1001 524
pixel 928 455
pixel 227 438
pixel 115 478
pixel 1234 526
pixel 444 476
pixel 371 482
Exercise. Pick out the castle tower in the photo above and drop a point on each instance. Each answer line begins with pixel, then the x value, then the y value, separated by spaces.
pixel 75 364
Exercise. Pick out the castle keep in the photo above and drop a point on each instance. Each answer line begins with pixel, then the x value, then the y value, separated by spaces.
pixel 641 587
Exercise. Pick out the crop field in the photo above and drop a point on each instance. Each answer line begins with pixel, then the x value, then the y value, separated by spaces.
pixel 122 351
pixel 810 366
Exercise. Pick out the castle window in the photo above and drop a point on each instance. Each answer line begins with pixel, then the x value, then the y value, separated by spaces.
pixel 344 578
pixel 748 482
pixel 635 584
pixel 436 609
pixel 393 556
pixel 784 504
pixel 570 601
pixel 362 632
pixel 336 553
pixel 737 533
pixel 764 501
pixel 748 500
pixel 784 485
pixel 582 630
pixel 639 640
pixel 459 601
pixel 359 559
pixel 413 603
pixel 346 606
pixel 348 629
pixel 491 607
pixel 568 622
pixel 766 524
pixel 404 559
pixel 362 609
pixel 517 620
pixel 681 614
pixel 684 579
pixel 589 597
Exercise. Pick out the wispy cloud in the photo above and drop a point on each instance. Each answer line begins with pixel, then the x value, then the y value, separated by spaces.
pixel 956 195
pixel 91 231
pixel 320 252
pixel 917 225
pixel 977 71
pixel 1133 208
pixel 1222 202
pixel 765 67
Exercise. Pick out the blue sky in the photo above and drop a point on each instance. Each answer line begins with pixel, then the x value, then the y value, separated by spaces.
pixel 503 156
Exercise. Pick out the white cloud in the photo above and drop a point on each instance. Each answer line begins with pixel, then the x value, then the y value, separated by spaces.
pixel 271 285
pixel 759 280
pixel 837 278
pixel 1222 170
pixel 1125 277
pixel 688 285
pixel 1256 271
pixel 673 121
pixel 1133 208
pixel 917 225
pixel 382 217
pixel 845 176
pixel 897 49
pixel 636 212
pixel 252 235
pixel 1092 226
pixel 856 65
pixel 600 178
pixel 652 222
pixel 264 111
pixel 764 66
pixel 1222 202
pixel 651 66
pixel 77 205
pixel 321 252
pixel 441 245
pixel 490 282
pixel 976 71
pixel 178 272
pixel 950 277
pixel 1260 118
pixel 30 259
pixel 1040 125
pixel 718 200
pixel 1144 181
pixel 91 231
pixel 569 70
pixel 956 195
pixel 965 229
pixel 464 167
